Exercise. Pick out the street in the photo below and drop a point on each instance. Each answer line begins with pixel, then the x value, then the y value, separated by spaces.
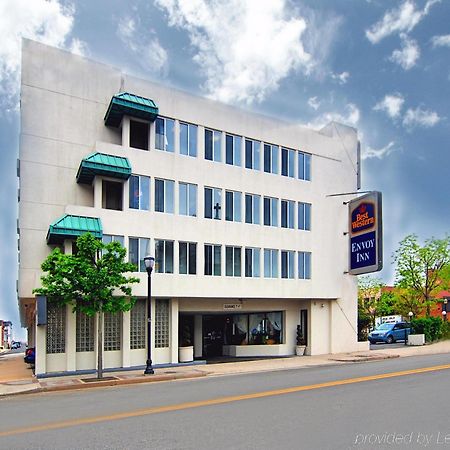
pixel 290 409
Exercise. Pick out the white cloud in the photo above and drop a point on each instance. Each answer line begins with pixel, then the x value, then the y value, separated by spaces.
pixel 342 78
pixel 371 153
pixel 408 55
pixel 151 55
pixel 46 21
pixel 420 117
pixel 244 48
pixel 314 103
pixel 400 20
pixel 350 117
pixel 391 105
pixel 441 41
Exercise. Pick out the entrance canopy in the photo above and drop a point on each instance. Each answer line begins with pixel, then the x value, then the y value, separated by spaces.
pixel 70 227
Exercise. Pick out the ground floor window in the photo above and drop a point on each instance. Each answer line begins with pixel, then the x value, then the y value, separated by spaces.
pixel 162 315
pixel 113 331
pixel 84 332
pixel 138 316
pixel 254 329
pixel 56 328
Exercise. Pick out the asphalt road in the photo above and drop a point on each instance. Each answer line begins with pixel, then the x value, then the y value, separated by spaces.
pixel 311 408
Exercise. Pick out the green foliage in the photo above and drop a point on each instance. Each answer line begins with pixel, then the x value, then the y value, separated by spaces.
pixel 93 280
pixel 386 305
pixel 445 330
pixel 301 340
pixel 431 327
pixel 423 271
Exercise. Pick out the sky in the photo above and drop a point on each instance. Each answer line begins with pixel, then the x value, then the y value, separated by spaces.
pixel 381 66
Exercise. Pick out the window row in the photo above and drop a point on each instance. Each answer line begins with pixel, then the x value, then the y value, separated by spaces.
pixel 284 215
pixel 220 146
pixel 239 261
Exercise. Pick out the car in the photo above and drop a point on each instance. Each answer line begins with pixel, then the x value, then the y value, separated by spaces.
pixel 15 344
pixel 390 332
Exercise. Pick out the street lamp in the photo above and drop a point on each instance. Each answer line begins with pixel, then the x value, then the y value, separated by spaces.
pixel 410 315
pixel 149 262
pixel 444 308
pixel 444 315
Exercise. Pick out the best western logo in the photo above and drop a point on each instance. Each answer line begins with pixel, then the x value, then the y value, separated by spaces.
pixel 363 217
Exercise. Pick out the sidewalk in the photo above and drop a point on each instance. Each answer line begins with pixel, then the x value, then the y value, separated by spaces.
pixel 16 378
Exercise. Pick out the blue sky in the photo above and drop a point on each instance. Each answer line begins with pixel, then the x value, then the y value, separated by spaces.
pixel 382 66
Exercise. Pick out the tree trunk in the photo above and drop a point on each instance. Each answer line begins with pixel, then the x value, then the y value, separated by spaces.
pixel 100 344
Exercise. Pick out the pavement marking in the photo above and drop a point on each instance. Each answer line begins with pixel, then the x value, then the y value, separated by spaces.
pixel 215 401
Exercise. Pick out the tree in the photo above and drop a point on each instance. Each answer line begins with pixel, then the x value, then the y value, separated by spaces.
pixel 423 271
pixel 369 292
pixel 92 281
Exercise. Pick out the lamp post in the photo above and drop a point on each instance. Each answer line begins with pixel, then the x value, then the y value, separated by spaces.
pixel 410 315
pixel 444 315
pixel 149 262
pixel 444 308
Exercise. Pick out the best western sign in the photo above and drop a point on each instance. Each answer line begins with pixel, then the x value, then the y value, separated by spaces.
pixel 366 234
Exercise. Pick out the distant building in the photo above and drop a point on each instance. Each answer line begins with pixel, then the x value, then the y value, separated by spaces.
pixel 5 334
pixel 235 207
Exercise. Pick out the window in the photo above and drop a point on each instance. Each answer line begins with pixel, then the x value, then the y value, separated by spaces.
pixel 233 206
pixel 213 256
pixel 139 192
pixel 287 213
pixel 112 331
pixel 252 154
pixel 138 249
pixel 112 195
pixel 187 199
pixel 162 315
pixel 304 265
pixel 287 264
pixel 233 150
pixel 188 258
pixel 304 166
pixel 271 211
pixel 287 162
pixel 164 136
pixel 163 256
pixel 139 132
pixel 270 158
pixel 252 209
pixel 252 257
pixel 304 216
pixel 213 203
pixel 138 324
pixel 164 195
pixel 265 328
pixel 270 263
pixel 213 145
pixel 233 261
pixel 56 328
pixel 84 332
pixel 107 238
pixel 188 139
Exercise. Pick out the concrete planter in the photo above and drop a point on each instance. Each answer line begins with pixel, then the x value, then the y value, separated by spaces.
pixel 300 350
pixel 186 354
pixel 416 339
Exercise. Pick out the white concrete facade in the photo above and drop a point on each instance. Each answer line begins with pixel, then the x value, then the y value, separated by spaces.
pixel 64 99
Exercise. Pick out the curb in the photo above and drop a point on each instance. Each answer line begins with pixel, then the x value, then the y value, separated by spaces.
pixel 364 358
pixel 119 381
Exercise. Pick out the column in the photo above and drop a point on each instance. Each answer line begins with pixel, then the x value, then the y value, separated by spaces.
pixel 174 312
pixel 126 131
pixel 126 356
pixel 98 192
pixel 71 324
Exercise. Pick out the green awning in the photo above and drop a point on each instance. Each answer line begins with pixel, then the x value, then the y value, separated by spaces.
pixel 70 227
pixel 130 105
pixel 105 165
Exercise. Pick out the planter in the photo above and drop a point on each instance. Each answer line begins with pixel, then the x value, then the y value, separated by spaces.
pixel 300 350
pixel 186 354
pixel 416 339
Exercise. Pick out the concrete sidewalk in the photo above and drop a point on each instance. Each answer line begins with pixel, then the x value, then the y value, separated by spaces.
pixel 22 381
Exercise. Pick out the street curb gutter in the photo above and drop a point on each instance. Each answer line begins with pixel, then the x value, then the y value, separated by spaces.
pixel 364 358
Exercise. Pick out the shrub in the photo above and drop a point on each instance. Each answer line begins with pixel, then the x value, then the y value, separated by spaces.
pixel 431 327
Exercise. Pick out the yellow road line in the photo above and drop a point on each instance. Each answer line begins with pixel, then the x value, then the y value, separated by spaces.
pixel 215 401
